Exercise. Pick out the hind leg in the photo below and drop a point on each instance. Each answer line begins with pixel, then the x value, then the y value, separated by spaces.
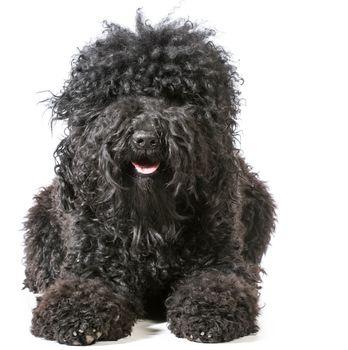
pixel 44 251
pixel 258 214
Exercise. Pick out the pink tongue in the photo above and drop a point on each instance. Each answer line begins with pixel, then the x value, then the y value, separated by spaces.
pixel 146 169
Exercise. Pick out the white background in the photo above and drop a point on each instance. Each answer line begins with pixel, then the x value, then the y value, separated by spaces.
pixel 293 57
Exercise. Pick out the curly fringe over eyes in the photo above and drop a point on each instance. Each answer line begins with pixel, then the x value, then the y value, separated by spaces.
pixel 175 60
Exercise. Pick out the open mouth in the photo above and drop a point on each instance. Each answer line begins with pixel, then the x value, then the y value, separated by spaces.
pixel 146 169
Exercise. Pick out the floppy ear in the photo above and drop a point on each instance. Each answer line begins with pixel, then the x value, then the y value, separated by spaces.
pixel 63 158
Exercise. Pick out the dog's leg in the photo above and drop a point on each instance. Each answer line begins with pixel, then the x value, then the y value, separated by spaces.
pixel 44 251
pixel 213 306
pixel 80 311
pixel 258 214
pixel 74 309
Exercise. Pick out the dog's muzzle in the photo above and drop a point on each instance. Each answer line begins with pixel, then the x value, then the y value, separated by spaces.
pixel 145 141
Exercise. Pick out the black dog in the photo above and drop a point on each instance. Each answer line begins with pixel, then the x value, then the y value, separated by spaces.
pixel 153 212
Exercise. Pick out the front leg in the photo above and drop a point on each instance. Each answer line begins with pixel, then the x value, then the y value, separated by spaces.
pixel 77 311
pixel 213 306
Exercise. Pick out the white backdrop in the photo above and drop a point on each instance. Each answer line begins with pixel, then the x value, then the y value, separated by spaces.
pixel 293 56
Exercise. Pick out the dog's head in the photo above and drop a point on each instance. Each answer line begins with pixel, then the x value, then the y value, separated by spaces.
pixel 152 113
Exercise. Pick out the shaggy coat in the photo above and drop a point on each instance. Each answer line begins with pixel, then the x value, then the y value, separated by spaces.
pixel 153 212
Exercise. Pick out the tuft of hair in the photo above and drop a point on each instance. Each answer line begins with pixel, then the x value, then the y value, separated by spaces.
pixel 175 60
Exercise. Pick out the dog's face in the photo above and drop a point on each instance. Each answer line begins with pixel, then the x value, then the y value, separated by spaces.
pixel 149 114
pixel 145 154
pixel 142 140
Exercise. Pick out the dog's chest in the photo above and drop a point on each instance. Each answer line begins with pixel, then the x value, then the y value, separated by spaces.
pixel 166 254
pixel 164 264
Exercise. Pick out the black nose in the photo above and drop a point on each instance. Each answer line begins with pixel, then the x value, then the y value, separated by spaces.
pixel 145 139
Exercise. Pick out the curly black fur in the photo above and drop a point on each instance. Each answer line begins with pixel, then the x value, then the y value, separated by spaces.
pixel 105 244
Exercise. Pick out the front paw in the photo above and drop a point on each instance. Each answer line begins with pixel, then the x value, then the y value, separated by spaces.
pixel 212 307
pixel 81 332
pixel 80 312
pixel 210 328
pixel 66 323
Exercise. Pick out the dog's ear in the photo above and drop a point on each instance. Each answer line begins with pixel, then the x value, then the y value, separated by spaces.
pixel 100 73
pixel 63 158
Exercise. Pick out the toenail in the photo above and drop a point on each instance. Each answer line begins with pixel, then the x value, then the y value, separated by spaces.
pixel 89 339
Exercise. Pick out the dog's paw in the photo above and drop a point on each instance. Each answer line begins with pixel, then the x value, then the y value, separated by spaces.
pixel 79 336
pixel 202 337
pixel 214 329
pixel 75 315
pixel 68 328
pixel 196 331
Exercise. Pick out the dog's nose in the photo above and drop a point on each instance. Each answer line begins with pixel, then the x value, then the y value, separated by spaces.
pixel 145 140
